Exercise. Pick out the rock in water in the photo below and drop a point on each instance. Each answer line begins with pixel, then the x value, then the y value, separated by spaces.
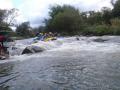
pixel 26 51
pixel 100 40
pixel 2 57
pixel 77 39
pixel 32 49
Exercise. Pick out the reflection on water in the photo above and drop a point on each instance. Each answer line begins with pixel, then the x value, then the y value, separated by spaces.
pixel 68 68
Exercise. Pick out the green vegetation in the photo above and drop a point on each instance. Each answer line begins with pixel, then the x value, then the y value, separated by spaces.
pixel 68 20
pixel 24 30
pixel 64 19
pixel 7 20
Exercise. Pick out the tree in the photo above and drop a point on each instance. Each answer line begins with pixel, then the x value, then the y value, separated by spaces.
pixel 64 19
pixel 94 18
pixel 55 10
pixel 84 16
pixel 24 29
pixel 112 2
pixel 7 18
pixel 38 29
pixel 107 15
pixel 116 9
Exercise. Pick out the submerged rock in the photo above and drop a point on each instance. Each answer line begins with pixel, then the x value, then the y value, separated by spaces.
pixel 100 40
pixel 77 38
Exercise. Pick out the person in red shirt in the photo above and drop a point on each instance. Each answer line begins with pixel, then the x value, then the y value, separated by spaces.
pixel 2 48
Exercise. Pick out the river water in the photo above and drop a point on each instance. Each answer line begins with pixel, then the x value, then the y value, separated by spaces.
pixel 92 63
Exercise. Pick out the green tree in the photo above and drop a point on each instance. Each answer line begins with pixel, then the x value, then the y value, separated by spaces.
pixel 24 29
pixel 107 15
pixel 64 19
pixel 112 2
pixel 38 29
pixel 94 18
pixel 116 9
pixel 7 18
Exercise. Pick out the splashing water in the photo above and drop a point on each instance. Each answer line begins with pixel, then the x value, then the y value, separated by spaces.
pixel 90 63
pixel 69 44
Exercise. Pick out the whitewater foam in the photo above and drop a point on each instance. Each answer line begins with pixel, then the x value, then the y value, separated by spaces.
pixel 69 44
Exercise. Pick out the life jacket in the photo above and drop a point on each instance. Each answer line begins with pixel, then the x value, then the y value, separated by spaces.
pixel 2 38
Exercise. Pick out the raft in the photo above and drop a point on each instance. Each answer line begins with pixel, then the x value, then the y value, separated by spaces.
pixel 50 39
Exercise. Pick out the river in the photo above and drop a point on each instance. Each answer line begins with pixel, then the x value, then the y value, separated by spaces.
pixel 91 63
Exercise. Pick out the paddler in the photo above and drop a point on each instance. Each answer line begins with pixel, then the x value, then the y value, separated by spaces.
pixel 3 48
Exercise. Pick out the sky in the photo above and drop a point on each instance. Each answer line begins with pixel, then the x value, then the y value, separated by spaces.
pixel 35 11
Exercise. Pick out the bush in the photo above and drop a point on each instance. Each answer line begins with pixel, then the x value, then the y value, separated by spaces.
pixel 115 22
pixel 98 30
pixel 115 30
pixel 115 27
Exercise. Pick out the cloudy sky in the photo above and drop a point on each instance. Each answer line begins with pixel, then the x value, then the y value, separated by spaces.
pixel 36 10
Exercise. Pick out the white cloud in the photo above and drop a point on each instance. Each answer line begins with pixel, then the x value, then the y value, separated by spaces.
pixel 6 4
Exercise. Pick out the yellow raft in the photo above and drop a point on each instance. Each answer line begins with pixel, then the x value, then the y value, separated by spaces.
pixel 49 39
